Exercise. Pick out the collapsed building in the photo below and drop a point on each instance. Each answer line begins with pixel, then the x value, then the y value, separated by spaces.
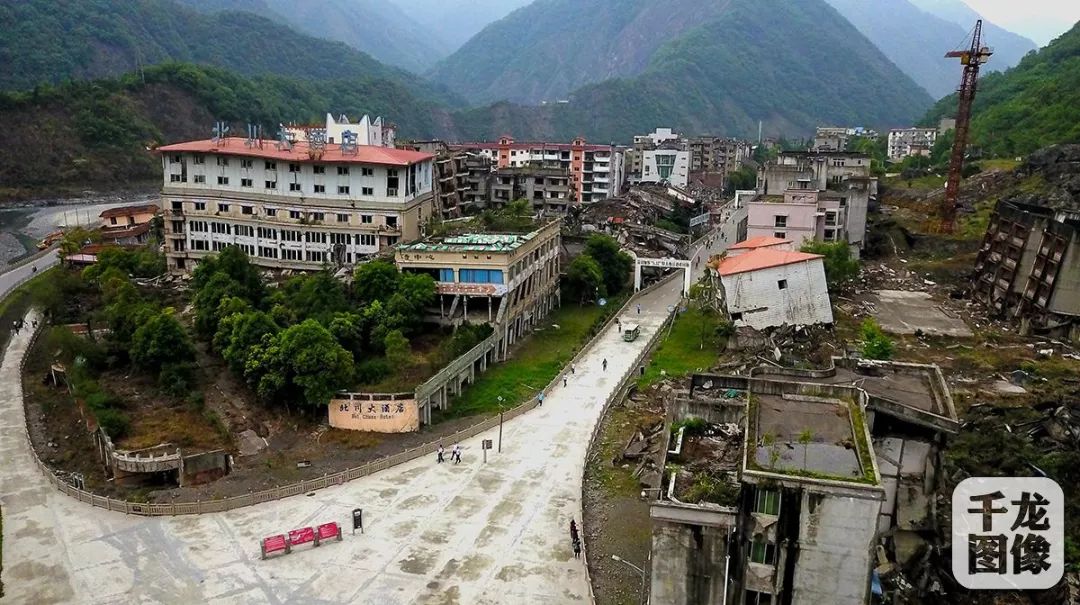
pixel 1028 268
pixel 798 486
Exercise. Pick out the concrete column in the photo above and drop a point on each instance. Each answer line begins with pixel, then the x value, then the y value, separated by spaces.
pixel 637 277
pixel 687 275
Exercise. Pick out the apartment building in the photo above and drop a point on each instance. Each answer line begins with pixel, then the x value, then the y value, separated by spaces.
pixel 510 280
pixel 127 225
pixel 841 176
pixel 907 142
pixel 596 171
pixel 799 215
pixel 297 205
pixel 710 154
pixel 1028 268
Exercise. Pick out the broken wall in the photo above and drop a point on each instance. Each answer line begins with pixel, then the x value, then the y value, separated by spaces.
pixel 836 541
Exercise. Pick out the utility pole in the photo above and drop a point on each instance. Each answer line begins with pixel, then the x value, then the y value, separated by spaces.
pixel 971 59
pixel 500 422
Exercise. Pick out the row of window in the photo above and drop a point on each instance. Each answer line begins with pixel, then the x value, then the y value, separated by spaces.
pixel 341 217
pixel 295 187
pixel 271 165
pixel 287 235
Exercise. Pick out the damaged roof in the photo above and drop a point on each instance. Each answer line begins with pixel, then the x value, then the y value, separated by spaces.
pixel 762 258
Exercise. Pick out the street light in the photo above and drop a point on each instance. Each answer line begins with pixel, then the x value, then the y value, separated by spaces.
pixel 637 569
pixel 500 398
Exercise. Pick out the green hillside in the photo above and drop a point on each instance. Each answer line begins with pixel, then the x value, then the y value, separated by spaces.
pixel 49 41
pixel 793 66
pixel 1035 104
pixel 376 27
pixel 97 133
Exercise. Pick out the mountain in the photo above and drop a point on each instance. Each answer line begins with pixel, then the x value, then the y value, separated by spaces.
pixel 97 133
pixel 457 20
pixel 915 40
pixel 1035 104
pixel 1009 48
pixel 713 66
pixel 376 27
pixel 54 40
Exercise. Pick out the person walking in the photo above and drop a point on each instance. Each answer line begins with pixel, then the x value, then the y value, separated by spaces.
pixel 573 369
pixel 639 309
pixel 456 456
pixel 540 399
pixel 440 454
pixel 605 364
pixel 618 324
pixel 564 381
pixel 573 530
pixel 577 549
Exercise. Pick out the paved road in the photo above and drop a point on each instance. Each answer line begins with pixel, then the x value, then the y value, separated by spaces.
pixel 14 277
pixel 441 534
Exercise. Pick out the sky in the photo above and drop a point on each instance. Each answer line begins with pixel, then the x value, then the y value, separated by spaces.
pixel 1040 20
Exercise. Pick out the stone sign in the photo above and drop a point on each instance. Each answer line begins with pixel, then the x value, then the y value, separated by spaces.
pixel 376 413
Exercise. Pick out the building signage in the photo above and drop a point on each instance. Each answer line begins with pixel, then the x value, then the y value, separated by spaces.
pixel 375 413
pixel 700 220
pixel 472 289
pixel 669 263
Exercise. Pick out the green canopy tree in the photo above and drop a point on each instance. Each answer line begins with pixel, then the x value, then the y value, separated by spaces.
pixel 303 362
pixel 161 340
pixel 840 266
pixel 375 281
pixel 208 299
pixel 246 331
pixel 584 279
pixel 234 263
pixel 614 263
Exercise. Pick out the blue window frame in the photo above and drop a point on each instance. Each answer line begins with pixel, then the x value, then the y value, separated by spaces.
pixel 481 276
pixel 446 275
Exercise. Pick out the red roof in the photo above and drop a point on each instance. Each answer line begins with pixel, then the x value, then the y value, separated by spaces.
pixel 762 258
pixel 301 152
pixel 129 210
pixel 760 241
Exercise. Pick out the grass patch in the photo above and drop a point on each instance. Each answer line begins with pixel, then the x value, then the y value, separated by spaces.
pixel 536 363
pixel 1007 164
pixel 692 344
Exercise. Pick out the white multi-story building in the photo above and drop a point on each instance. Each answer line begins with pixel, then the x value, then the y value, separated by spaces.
pixel 298 206
pixel 370 132
pixel 671 166
pixel 907 142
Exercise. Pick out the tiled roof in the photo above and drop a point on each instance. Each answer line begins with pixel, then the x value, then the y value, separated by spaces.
pixel 524 145
pixel 301 152
pixel 760 241
pixel 762 258
pixel 129 210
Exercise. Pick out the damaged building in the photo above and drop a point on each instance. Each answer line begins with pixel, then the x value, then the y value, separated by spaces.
pixel 796 486
pixel 822 181
pixel 1028 267
pixel 763 284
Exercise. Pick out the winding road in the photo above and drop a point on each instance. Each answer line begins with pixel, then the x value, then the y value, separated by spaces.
pixel 445 534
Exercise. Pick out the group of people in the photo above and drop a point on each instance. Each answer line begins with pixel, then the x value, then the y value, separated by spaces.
pixel 575 539
pixel 455 454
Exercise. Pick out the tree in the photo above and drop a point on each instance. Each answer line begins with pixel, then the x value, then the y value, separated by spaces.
pixel 398 351
pixel 614 263
pixel 875 344
pixel 375 281
pixel 584 278
pixel 234 263
pixel 743 178
pixel 317 296
pixel 161 340
pixel 303 361
pixel 840 266
pixel 208 299
pixel 805 438
pixel 246 331
pixel 75 239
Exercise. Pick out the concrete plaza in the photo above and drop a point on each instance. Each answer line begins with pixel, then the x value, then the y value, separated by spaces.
pixel 472 533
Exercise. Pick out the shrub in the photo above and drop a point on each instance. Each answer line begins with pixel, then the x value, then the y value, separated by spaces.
pixel 876 345
pixel 372 370
pixel 115 423
pixel 177 379
pixel 99 401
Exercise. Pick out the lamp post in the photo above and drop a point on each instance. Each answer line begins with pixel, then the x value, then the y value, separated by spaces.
pixel 500 398
pixel 640 571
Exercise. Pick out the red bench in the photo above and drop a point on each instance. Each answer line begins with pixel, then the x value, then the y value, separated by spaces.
pixel 302 536
pixel 328 530
pixel 273 544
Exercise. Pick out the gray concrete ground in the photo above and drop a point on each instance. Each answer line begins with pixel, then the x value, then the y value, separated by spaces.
pixel 472 533
pixel 902 312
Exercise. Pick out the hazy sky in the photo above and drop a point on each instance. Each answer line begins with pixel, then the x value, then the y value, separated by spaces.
pixel 1040 20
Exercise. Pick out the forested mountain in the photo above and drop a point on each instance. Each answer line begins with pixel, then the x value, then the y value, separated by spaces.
pixel 1033 105
pixel 915 40
pixel 97 133
pixel 52 40
pixel 455 21
pixel 379 28
pixel 1009 48
pixel 713 66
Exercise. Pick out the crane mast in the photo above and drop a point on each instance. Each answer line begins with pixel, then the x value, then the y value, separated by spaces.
pixel 971 59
